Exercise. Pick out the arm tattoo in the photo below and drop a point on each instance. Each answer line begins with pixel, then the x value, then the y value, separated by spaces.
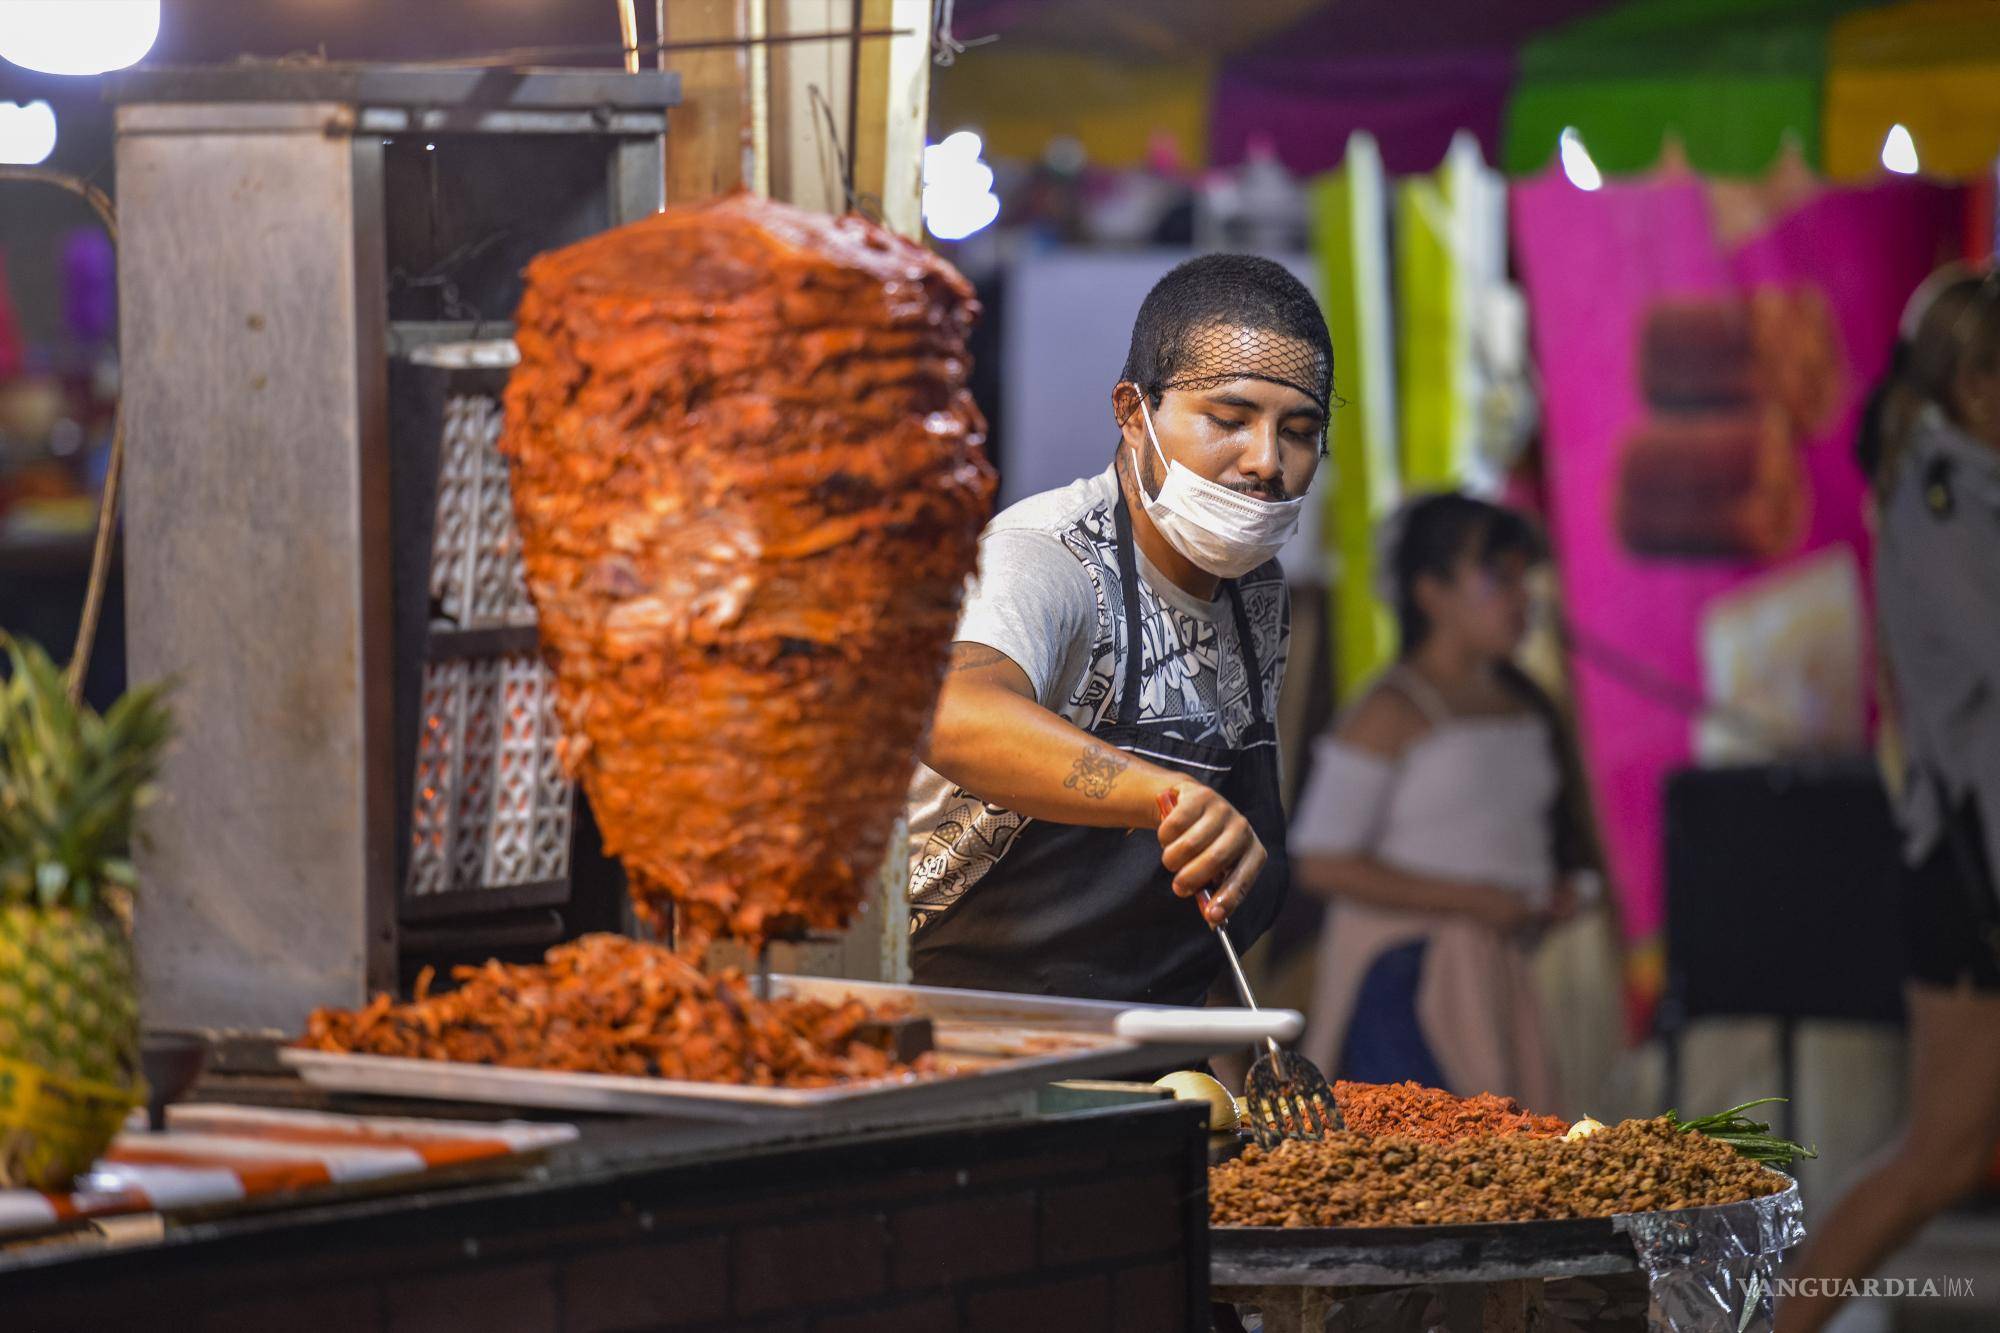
pixel 1096 769
pixel 973 656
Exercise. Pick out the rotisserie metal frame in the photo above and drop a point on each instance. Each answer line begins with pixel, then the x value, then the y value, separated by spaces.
pixel 287 229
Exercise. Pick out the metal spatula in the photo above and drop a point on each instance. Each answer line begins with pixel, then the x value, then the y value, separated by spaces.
pixel 1284 1094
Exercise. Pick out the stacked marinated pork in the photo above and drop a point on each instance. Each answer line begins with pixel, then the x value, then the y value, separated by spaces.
pixel 750 483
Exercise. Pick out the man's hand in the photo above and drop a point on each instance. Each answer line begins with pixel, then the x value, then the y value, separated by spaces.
pixel 1208 844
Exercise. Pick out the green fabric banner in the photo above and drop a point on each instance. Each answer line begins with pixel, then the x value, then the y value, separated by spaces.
pixel 1348 212
pixel 1731 79
pixel 1427 329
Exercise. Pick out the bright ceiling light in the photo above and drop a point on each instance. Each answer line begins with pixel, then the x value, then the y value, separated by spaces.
pixel 77 36
pixel 1576 163
pixel 1899 151
pixel 958 188
pixel 27 133
pixel 965 143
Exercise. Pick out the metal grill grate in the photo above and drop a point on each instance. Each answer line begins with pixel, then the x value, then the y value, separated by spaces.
pixel 476 574
pixel 491 807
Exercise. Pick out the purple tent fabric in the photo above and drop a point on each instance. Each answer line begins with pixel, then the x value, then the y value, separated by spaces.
pixel 1410 74
pixel 1411 104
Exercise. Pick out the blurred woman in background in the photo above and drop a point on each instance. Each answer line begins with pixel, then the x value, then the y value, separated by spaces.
pixel 1439 820
pixel 1931 438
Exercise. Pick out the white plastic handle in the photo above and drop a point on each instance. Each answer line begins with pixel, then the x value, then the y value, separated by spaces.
pixel 1224 1027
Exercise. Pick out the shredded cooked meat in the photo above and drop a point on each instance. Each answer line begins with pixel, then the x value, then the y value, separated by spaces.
pixel 1436 1116
pixel 749 483
pixel 604 1004
pixel 1359 1180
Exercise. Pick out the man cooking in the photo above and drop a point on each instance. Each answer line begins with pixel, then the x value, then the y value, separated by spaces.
pixel 1125 642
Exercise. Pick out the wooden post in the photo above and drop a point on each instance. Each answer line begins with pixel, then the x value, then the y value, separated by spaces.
pixel 812 87
pixel 711 135
pixel 851 110
pixel 628 33
pixel 800 120
pixel 892 111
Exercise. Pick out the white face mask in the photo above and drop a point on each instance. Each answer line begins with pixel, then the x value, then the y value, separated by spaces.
pixel 1222 531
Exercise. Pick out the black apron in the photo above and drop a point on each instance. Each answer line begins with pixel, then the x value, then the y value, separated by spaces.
pixel 1091 912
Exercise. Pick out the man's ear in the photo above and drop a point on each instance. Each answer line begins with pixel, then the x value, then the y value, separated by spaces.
pixel 1125 405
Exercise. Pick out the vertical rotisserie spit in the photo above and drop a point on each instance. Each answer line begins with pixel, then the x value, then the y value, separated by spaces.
pixel 750 485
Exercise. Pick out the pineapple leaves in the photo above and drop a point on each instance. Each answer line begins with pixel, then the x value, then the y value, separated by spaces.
pixel 71 782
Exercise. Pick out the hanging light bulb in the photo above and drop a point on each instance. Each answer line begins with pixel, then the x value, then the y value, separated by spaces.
pixel 1899 151
pixel 71 37
pixel 1576 163
pixel 958 187
pixel 27 133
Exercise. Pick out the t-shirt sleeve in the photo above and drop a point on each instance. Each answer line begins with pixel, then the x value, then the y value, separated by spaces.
pixel 1033 602
pixel 1341 810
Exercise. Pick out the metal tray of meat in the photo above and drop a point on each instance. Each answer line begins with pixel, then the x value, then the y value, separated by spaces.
pixel 989 1045
pixel 1472 1252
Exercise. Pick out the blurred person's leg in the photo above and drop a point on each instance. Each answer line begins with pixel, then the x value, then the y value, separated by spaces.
pixel 1942 1154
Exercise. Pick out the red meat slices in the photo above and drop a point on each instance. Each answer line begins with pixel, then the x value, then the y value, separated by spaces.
pixel 750 484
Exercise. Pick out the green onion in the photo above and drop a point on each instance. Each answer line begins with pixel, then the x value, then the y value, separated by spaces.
pixel 1751 1138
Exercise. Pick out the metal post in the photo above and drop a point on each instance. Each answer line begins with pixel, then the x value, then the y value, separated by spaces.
pixel 256 554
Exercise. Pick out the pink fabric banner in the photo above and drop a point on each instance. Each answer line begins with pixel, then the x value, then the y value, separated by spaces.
pixel 1706 353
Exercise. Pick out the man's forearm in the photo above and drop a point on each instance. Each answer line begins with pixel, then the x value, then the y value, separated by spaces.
pixel 1010 751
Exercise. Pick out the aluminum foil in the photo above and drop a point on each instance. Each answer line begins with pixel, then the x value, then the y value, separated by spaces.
pixel 1710 1270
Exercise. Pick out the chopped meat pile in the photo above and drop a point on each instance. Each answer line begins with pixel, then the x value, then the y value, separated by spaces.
pixel 1434 1115
pixel 1359 1180
pixel 750 484
pixel 605 1004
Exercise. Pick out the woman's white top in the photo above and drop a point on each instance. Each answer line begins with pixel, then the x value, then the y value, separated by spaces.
pixel 1937 584
pixel 1469 800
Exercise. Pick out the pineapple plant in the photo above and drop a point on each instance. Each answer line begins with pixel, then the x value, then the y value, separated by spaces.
pixel 71 781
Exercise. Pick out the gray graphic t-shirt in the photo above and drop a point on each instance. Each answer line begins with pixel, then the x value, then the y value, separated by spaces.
pixel 1047 595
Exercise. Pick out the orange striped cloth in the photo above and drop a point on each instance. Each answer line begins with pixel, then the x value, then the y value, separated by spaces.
pixel 220 1154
